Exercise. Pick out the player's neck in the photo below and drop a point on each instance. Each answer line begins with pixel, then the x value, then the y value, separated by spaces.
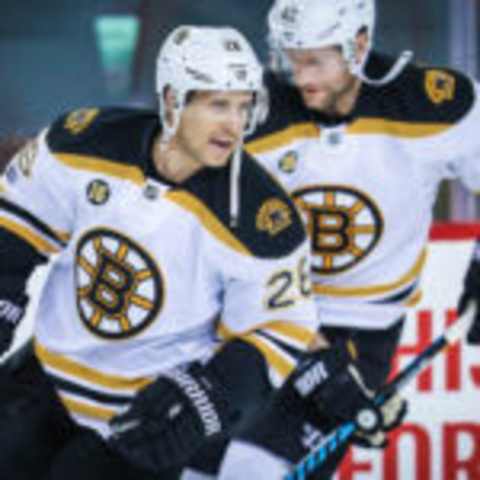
pixel 171 162
pixel 347 100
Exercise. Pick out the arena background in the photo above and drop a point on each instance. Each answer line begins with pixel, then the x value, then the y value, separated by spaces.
pixel 54 59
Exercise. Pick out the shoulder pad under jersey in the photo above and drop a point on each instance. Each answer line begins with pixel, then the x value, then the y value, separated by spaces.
pixel 114 135
pixel 423 95
pixel 269 225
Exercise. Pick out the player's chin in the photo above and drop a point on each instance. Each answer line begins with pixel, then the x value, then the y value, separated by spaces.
pixel 317 100
pixel 219 159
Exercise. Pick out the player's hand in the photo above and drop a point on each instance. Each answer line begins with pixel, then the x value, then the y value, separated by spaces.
pixel 330 381
pixel 12 311
pixel 471 293
pixel 170 419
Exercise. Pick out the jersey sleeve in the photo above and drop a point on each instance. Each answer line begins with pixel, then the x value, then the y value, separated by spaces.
pixel 466 147
pixel 268 304
pixel 36 198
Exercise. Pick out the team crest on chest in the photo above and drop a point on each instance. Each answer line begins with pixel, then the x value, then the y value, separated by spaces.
pixel 344 225
pixel 274 216
pixel 118 285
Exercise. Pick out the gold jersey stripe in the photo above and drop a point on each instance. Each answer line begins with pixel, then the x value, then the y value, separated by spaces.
pixel 396 128
pixel 191 203
pixel 282 138
pixel 414 299
pixel 287 329
pixel 280 364
pixel 102 165
pixel 87 410
pixel 411 275
pixel 29 236
pixel 82 372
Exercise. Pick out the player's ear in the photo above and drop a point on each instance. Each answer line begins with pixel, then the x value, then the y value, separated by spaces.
pixel 362 42
pixel 169 99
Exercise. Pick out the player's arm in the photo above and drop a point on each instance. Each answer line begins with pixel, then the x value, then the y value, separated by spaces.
pixel 463 146
pixel 32 227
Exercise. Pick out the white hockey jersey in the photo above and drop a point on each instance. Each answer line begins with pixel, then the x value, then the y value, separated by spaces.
pixel 149 275
pixel 366 184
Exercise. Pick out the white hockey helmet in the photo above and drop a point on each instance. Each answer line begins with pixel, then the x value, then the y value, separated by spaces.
pixel 196 58
pixel 302 24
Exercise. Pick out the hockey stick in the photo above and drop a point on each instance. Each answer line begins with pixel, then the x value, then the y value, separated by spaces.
pixel 342 434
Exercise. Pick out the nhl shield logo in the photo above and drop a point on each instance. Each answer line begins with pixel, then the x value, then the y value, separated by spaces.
pixel 98 192
pixel 288 163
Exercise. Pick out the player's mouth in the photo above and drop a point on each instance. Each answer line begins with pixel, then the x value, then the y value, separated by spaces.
pixel 225 145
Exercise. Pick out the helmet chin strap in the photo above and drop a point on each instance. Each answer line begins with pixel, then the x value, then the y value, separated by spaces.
pixel 235 170
pixel 403 59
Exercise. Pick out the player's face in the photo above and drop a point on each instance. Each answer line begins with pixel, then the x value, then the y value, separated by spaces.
pixel 322 76
pixel 212 125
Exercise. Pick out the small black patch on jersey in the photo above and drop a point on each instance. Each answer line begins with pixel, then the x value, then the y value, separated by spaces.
pixel 269 224
pixel 122 135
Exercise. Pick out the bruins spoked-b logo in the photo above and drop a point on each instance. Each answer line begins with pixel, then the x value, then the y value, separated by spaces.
pixel 119 287
pixel 344 226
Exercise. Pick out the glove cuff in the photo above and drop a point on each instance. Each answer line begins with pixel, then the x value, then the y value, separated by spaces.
pixel 202 393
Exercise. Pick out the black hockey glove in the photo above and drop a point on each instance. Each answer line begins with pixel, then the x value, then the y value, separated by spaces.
pixel 12 311
pixel 329 381
pixel 170 419
pixel 471 293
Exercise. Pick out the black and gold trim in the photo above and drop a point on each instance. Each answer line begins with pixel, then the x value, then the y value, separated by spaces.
pixel 208 219
pixel 206 195
pixel 103 166
pixel 279 342
pixel 420 103
pixel 86 391
pixel 30 228
pixel 410 277
pixel 112 141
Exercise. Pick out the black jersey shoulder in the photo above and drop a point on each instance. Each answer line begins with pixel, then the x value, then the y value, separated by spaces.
pixel 269 225
pixel 286 107
pixel 418 94
pixel 120 135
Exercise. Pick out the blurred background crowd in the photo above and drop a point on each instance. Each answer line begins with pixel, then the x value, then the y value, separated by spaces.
pixel 58 55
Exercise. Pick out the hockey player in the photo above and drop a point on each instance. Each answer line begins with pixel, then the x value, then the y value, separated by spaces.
pixel 167 239
pixel 361 141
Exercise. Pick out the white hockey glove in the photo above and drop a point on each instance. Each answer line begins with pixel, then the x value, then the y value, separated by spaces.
pixel 393 413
